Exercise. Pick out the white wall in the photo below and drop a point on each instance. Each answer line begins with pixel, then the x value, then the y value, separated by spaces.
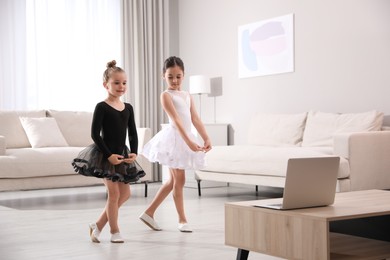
pixel 342 57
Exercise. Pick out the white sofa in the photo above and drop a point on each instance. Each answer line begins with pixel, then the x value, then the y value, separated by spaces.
pixel 359 139
pixel 37 148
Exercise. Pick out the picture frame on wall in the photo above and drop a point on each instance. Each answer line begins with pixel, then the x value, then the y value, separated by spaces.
pixel 266 47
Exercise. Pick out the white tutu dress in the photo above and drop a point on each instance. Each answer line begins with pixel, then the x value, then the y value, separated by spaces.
pixel 167 147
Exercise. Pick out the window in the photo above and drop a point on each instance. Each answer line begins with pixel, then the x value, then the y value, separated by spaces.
pixel 60 49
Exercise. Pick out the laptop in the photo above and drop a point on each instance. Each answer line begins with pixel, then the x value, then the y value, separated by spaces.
pixel 310 182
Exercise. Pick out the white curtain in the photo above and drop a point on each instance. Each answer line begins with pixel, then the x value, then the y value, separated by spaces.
pixel 60 49
pixel 146 45
pixel 13 54
pixel 143 34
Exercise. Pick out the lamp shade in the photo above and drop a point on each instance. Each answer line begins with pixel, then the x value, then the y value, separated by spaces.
pixel 199 84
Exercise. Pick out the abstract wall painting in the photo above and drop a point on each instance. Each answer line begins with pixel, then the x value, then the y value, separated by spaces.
pixel 266 47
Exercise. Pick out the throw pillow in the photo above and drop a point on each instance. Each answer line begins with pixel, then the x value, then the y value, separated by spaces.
pixel 43 132
pixel 321 127
pixel 75 126
pixel 12 130
pixel 277 129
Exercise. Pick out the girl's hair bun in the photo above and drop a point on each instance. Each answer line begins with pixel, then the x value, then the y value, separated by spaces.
pixel 111 68
pixel 111 64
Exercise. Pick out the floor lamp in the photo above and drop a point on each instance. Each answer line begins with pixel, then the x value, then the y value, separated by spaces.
pixel 199 84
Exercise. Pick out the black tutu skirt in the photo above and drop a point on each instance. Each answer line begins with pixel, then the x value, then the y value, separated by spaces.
pixel 90 162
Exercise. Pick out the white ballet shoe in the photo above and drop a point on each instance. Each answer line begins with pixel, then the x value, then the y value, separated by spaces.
pixel 149 222
pixel 94 232
pixel 184 227
pixel 117 238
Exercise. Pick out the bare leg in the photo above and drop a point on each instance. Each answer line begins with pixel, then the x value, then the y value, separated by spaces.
pixel 162 193
pixel 179 180
pixel 118 194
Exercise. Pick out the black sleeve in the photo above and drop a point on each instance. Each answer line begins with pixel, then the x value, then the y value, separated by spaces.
pixel 96 128
pixel 132 130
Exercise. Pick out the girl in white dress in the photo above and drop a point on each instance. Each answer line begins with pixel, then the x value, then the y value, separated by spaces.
pixel 175 146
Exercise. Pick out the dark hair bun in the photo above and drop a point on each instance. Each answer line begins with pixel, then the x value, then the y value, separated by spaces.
pixel 111 64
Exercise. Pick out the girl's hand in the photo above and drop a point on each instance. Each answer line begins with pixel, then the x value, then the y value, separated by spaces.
pixel 115 159
pixel 195 147
pixel 131 158
pixel 207 146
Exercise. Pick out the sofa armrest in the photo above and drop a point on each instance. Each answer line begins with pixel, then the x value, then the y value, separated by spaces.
pixel 144 135
pixel 368 154
pixel 2 145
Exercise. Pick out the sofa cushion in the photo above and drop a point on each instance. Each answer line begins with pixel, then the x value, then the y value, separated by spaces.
pixel 11 127
pixel 262 160
pixel 43 132
pixel 277 129
pixel 321 127
pixel 75 126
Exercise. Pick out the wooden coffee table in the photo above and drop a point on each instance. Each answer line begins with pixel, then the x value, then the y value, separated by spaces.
pixel 356 226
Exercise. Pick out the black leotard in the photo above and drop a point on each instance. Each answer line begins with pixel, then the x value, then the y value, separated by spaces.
pixel 109 127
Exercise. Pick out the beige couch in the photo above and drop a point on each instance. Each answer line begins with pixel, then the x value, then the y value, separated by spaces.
pixel 359 140
pixel 37 148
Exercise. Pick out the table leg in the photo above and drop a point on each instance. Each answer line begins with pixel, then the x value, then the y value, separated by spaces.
pixel 242 254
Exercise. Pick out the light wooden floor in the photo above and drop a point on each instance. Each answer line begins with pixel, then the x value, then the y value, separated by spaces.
pixel 53 224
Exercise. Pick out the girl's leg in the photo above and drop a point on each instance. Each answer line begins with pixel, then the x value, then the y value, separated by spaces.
pixel 118 194
pixel 179 179
pixel 162 193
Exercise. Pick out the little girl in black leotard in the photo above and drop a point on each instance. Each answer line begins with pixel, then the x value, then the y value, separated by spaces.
pixel 109 157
